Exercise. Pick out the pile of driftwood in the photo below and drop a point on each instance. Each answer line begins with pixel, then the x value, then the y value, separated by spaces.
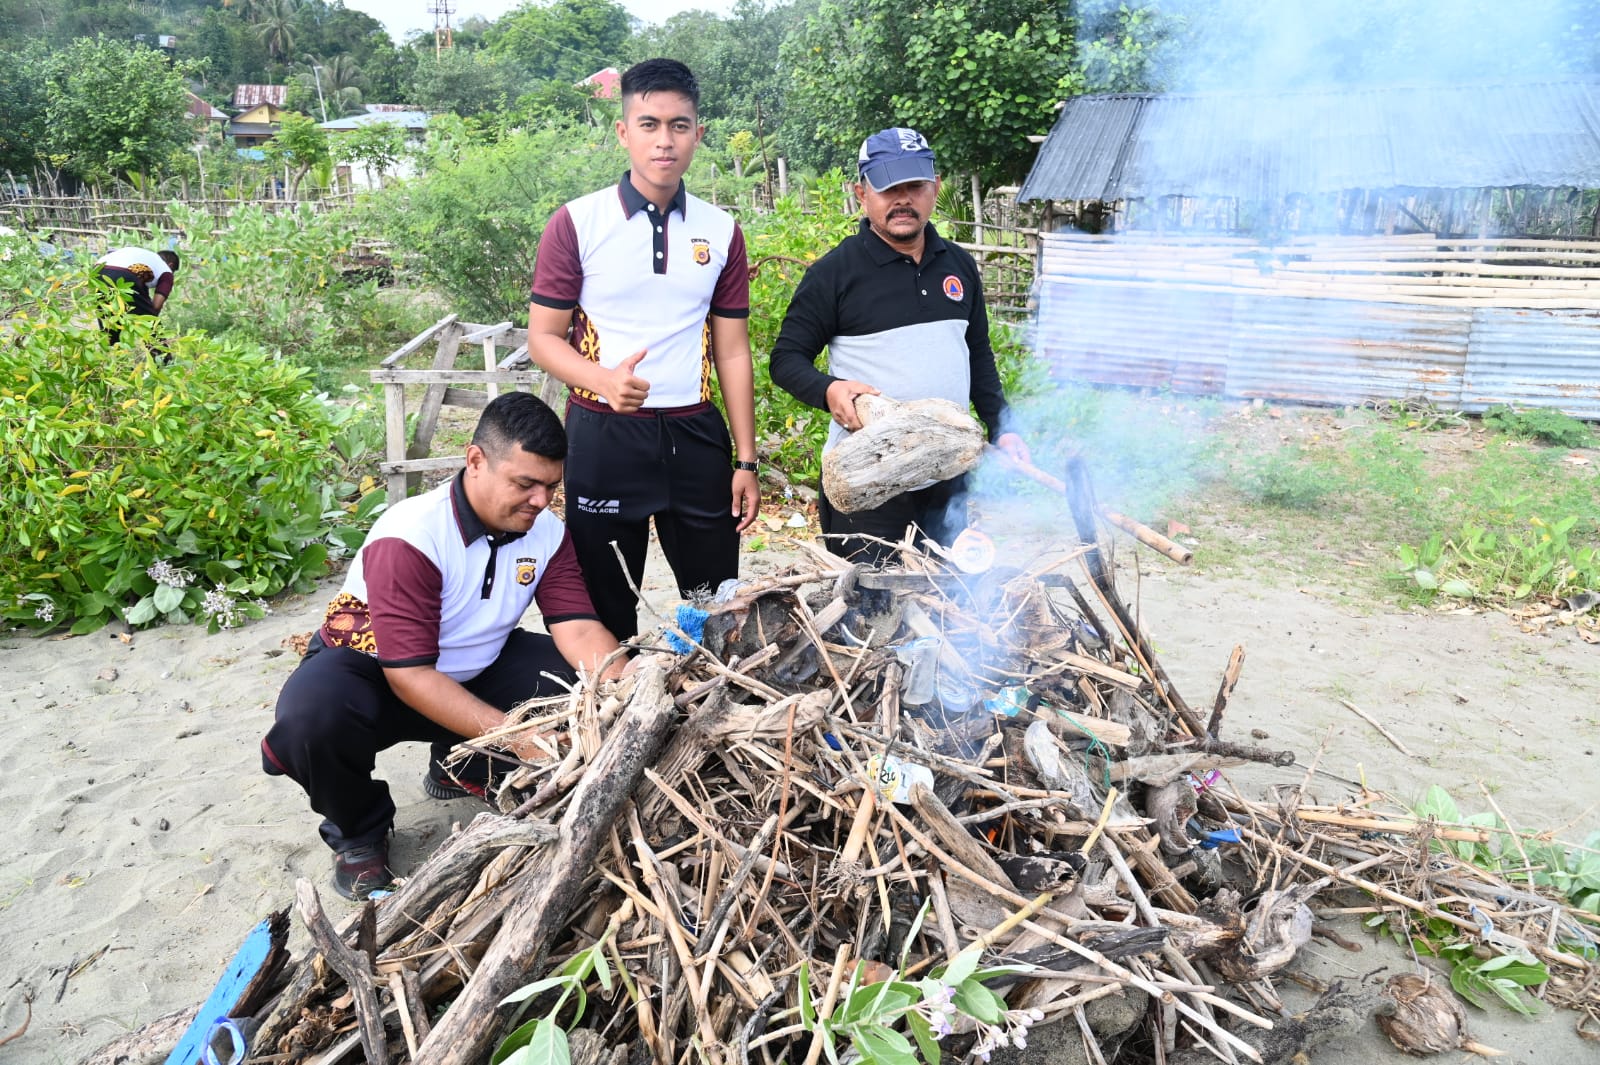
pixel 856 775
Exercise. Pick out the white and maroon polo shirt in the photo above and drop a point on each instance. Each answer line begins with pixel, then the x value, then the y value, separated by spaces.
pixel 634 278
pixel 143 266
pixel 433 586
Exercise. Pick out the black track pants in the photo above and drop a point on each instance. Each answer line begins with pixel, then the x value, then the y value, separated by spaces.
pixel 940 511
pixel 622 470
pixel 336 712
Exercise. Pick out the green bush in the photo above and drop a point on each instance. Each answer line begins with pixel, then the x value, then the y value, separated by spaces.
pixel 1289 479
pixel 275 280
pixel 470 225
pixel 148 490
pixel 781 245
pixel 1546 426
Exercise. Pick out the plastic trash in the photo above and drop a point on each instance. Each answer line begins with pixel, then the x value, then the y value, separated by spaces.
pixel 921 659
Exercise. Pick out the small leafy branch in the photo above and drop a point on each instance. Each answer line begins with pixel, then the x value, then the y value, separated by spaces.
pixel 543 1040
pixel 953 998
pixel 1491 966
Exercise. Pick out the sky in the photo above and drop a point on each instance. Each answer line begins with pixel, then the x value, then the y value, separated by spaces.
pixel 400 17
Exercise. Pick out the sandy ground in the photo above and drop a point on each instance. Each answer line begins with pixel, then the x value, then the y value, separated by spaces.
pixel 146 842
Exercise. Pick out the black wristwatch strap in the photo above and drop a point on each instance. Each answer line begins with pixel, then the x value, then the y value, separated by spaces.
pixel 749 466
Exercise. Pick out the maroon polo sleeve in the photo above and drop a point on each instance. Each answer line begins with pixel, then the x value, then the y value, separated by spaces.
pixel 561 594
pixel 404 590
pixel 164 285
pixel 557 266
pixel 731 299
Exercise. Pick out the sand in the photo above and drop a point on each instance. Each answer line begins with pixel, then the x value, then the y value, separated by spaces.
pixel 145 842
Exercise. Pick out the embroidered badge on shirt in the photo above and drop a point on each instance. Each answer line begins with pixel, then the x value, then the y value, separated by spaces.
pixel 702 250
pixel 527 568
pixel 952 287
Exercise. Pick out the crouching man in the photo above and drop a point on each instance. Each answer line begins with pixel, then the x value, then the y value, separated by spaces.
pixel 422 643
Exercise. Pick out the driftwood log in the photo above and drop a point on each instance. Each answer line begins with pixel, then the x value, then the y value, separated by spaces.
pixel 899 447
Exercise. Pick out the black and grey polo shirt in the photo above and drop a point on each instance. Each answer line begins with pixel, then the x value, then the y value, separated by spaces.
pixel 912 330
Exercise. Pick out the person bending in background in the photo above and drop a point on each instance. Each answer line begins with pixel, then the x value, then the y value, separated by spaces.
pixel 637 290
pixel 423 644
pixel 151 273
pixel 901 312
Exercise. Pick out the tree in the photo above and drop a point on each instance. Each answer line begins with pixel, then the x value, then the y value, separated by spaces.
pixel 734 59
pixel 23 102
pixel 976 77
pixel 377 146
pixel 566 40
pixel 275 25
pixel 468 83
pixel 114 108
pixel 302 144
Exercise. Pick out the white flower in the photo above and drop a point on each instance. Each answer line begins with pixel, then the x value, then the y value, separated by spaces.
pixel 163 572
pixel 220 605
pixel 46 611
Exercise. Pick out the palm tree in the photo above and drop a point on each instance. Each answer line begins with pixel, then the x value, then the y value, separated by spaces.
pixel 341 72
pixel 275 25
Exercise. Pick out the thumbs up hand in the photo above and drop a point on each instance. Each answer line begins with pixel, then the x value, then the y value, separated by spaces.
pixel 624 389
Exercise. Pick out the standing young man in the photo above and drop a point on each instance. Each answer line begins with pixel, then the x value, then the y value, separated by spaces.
pixel 901 312
pixel 638 290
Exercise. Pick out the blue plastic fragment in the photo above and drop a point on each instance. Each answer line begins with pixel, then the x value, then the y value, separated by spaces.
pixel 1222 835
pixel 833 741
pixel 692 620
pixel 238 1046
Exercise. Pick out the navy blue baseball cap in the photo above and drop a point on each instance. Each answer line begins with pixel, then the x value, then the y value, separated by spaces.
pixel 893 156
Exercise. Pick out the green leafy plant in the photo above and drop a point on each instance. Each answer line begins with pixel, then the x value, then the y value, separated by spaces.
pixel 1290 479
pixel 1573 872
pixel 189 486
pixel 1481 563
pixel 543 1040
pixel 1504 976
pixel 867 1013
pixel 1546 426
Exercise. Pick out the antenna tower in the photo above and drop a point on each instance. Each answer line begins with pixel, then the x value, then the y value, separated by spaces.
pixel 441 12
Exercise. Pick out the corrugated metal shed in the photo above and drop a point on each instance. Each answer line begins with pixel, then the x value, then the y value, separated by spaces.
pixel 1117 320
pixel 1263 147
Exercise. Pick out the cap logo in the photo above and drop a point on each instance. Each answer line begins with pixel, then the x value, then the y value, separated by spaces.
pixel 952 287
pixel 911 140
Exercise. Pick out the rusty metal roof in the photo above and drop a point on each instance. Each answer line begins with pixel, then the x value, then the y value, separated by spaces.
pixel 1262 147
pixel 248 96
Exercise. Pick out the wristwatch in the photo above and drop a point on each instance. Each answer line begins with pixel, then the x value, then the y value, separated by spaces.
pixel 749 467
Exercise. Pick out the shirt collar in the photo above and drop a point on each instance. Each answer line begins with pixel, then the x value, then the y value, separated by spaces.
pixel 882 254
pixel 633 200
pixel 468 523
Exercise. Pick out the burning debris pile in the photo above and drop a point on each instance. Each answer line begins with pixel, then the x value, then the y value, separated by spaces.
pixel 878 809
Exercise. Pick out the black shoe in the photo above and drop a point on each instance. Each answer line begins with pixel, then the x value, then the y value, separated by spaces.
pixel 437 785
pixel 360 871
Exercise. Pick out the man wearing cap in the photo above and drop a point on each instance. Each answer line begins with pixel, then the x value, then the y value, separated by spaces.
pixel 901 313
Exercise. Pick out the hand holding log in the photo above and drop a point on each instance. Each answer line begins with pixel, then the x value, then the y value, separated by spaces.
pixel 899 447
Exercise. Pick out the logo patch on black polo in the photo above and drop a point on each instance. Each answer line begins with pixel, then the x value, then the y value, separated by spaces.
pixel 527 569
pixel 702 250
pixel 952 287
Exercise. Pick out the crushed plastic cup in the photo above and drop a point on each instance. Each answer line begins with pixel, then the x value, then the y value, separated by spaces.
pixel 921 659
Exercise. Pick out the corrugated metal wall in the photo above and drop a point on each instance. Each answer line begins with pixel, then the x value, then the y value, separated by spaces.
pixel 1534 358
pixel 1250 345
